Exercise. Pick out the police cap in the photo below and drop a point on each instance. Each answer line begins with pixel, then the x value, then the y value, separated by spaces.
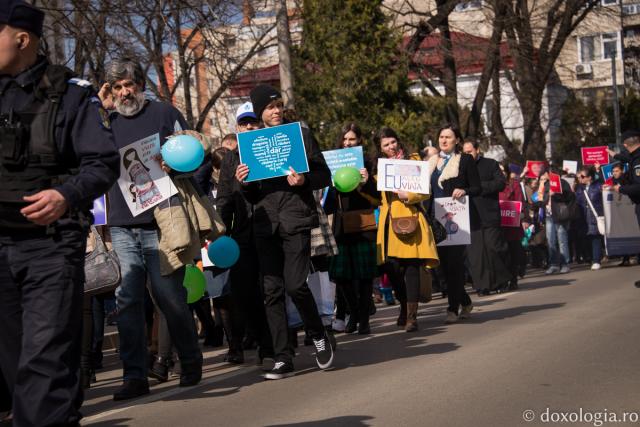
pixel 20 14
pixel 630 134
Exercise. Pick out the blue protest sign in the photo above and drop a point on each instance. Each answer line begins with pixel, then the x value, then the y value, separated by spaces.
pixel 607 172
pixel 344 157
pixel 99 210
pixel 270 152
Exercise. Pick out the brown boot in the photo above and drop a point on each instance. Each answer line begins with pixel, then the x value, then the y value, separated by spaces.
pixel 412 317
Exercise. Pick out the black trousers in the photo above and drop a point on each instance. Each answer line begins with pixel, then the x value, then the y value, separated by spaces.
pixel 405 278
pixel 41 295
pixel 248 300
pixel 284 262
pixel 452 266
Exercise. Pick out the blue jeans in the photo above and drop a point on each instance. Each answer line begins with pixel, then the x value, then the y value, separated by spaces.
pixel 138 252
pixel 596 248
pixel 558 237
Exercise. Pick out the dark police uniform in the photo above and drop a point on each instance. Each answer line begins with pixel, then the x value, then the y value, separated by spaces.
pixel 631 187
pixel 53 134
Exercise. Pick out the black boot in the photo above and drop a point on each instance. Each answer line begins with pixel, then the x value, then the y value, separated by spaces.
pixel 160 369
pixel 352 324
pixel 191 373
pixel 87 377
pixel 131 388
pixel 365 289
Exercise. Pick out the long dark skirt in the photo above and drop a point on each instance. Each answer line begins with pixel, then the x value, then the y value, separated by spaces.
pixel 489 258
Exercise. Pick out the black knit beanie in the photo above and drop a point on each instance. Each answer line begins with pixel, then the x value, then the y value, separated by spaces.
pixel 261 96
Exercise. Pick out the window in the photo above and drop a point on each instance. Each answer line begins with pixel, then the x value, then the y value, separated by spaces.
pixel 588 49
pixel 610 45
pixel 609 2
pixel 464 6
pixel 630 9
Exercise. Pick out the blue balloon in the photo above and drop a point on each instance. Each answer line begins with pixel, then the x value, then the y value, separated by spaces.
pixel 224 252
pixel 183 153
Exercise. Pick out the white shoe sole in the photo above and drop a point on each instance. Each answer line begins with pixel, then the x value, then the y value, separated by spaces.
pixel 326 365
pixel 272 376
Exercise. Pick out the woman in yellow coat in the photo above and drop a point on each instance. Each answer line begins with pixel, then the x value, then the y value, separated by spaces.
pixel 402 256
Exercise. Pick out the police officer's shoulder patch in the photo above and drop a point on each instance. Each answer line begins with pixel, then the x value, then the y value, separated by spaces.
pixel 103 115
pixel 80 82
pixel 637 170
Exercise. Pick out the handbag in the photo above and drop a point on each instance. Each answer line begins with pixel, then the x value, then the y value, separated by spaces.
pixel 562 212
pixel 359 221
pixel 438 230
pixel 403 226
pixel 599 219
pixel 101 268
pixel 426 286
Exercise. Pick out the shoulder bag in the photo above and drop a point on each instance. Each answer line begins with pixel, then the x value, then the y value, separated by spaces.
pixel 599 219
pixel 101 268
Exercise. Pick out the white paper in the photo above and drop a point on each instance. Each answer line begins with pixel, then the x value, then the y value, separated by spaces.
pixel 454 216
pixel 570 166
pixel 403 175
pixel 204 253
pixel 142 181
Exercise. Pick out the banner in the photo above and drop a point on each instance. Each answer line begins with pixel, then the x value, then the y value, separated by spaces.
pixel 99 210
pixel 535 168
pixel 570 166
pixel 510 213
pixel 403 175
pixel 142 181
pixel 622 234
pixel 607 172
pixel 344 157
pixel 555 184
pixel 270 152
pixel 454 216
pixel 593 155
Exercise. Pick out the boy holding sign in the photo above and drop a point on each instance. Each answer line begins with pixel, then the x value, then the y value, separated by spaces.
pixel 285 213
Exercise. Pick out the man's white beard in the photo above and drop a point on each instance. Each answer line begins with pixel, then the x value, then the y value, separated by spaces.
pixel 134 106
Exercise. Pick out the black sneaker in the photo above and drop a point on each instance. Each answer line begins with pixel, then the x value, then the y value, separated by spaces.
pixel 131 388
pixel 324 352
pixel 280 370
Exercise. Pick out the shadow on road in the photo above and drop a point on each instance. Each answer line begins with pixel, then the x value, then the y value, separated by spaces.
pixel 351 421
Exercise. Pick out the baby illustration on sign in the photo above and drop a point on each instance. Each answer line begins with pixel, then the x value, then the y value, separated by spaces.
pixel 450 225
pixel 144 191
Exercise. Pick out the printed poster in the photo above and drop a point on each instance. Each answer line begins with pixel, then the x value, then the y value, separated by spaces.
pixel 270 152
pixel 454 216
pixel 570 166
pixel 344 157
pixel 535 168
pixel 607 172
pixel 622 234
pixel 593 155
pixel 99 210
pixel 142 181
pixel 403 175
pixel 555 184
pixel 510 213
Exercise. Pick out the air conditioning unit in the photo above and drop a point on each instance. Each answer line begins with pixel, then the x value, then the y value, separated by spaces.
pixel 583 69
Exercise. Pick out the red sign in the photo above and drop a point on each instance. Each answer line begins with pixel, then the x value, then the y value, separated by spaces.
pixel 554 183
pixel 535 168
pixel 593 155
pixel 510 213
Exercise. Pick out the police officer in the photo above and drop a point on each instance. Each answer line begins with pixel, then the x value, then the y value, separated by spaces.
pixel 56 155
pixel 631 155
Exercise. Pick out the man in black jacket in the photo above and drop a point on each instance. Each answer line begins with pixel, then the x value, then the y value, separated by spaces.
pixel 488 253
pixel 284 214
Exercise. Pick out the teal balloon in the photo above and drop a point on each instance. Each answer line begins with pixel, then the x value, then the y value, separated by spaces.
pixel 347 179
pixel 183 153
pixel 223 252
pixel 195 283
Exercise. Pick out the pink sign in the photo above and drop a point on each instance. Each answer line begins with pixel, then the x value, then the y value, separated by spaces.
pixel 535 168
pixel 554 183
pixel 593 155
pixel 510 213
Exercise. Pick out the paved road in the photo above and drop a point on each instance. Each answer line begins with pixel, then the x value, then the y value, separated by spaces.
pixel 567 343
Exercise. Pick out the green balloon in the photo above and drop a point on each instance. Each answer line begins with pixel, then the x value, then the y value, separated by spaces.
pixel 347 179
pixel 195 283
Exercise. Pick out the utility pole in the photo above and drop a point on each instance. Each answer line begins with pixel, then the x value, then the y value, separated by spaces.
pixel 284 53
pixel 616 104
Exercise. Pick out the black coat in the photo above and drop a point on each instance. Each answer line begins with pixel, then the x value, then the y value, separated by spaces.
pixel 485 208
pixel 233 208
pixel 277 205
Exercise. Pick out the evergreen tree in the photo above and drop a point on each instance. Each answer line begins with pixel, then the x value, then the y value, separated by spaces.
pixel 349 67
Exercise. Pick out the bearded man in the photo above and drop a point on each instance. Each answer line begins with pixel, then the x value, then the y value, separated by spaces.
pixel 135 238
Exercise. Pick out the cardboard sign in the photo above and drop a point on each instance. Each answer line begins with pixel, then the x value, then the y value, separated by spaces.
pixel 270 152
pixel 99 210
pixel 344 157
pixel 607 172
pixel 510 213
pixel 535 168
pixel 403 175
pixel 454 216
pixel 570 166
pixel 555 184
pixel 593 155
pixel 142 181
